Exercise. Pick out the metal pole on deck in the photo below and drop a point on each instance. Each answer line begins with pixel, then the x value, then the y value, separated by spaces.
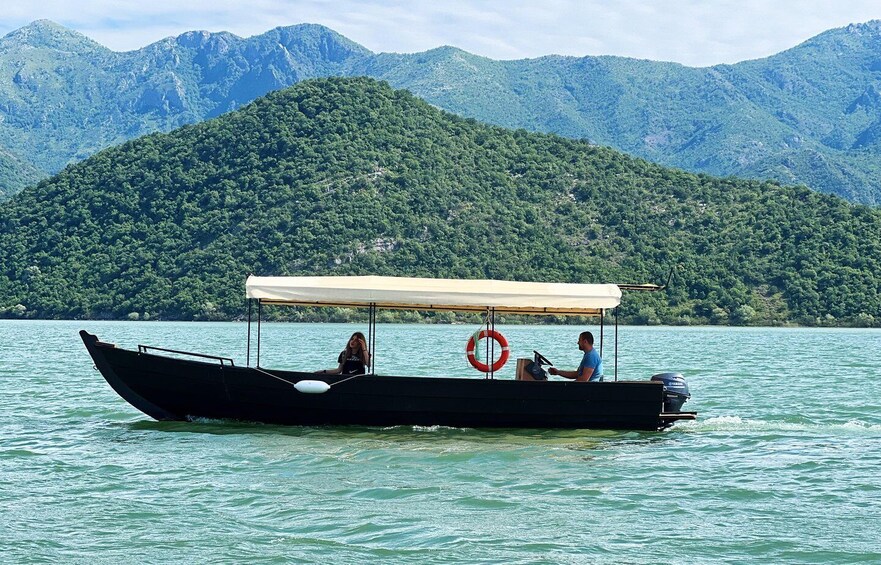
pixel 616 344
pixel 492 357
pixel 250 305
pixel 259 317
pixel 371 342
pixel 602 322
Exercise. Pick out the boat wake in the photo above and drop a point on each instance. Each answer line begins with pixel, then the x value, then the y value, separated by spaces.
pixel 429 429
pixel 201 420
pixel 738 424
pixel 433 428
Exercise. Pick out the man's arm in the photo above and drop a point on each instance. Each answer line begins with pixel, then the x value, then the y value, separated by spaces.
pixel 584 376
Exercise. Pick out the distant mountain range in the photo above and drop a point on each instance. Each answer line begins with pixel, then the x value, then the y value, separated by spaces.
pixel 809 115
pixel 343 176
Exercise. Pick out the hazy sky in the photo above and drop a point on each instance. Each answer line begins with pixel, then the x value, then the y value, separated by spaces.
pixel 693 32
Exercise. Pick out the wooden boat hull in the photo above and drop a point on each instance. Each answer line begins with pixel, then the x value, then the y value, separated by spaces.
pixel 169 388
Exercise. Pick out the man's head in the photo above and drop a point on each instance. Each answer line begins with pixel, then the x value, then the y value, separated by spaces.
pixel 585 341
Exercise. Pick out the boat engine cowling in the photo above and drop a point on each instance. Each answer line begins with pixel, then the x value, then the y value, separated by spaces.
pixel 675 390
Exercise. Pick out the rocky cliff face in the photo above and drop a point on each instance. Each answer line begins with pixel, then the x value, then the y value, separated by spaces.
pixel 64 97
pixel 810 115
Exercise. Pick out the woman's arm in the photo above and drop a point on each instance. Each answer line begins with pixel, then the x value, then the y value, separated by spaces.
pixel 365 353
pixel 339 369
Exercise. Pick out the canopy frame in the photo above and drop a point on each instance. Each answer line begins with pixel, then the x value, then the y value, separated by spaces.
pixel 491 311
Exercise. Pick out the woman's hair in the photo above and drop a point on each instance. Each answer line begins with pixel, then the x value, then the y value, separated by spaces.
pixel 360 336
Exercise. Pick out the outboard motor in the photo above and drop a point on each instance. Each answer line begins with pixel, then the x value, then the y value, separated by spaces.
pixel 675 390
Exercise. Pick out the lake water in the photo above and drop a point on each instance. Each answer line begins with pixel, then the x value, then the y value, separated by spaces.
pixel 783 464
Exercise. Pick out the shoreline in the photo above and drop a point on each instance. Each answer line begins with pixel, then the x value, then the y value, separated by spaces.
pixel 792 326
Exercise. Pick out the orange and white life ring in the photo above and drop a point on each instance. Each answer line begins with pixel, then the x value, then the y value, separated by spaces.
pixel 481 366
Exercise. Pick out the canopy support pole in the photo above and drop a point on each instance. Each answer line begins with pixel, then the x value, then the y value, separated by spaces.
pixel 250 305
pixel 491 344
pixel 259 317
pixel 371 336
pixel 616 344
pixel 602 324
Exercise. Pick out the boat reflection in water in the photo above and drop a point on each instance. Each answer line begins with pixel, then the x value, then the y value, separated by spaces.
pixel 164 386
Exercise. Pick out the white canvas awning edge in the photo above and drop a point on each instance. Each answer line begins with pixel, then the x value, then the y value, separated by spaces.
pixel 442 294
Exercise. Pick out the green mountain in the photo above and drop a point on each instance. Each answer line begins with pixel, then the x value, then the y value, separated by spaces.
pixel 50 81
pixel 810 115
pixel 15 174
pixel 64 97
pixel 348 176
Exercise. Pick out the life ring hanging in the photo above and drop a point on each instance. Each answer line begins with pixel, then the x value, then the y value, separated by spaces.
pixel 481 366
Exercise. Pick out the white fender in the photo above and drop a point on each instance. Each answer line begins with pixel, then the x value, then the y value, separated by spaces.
pixel 312 387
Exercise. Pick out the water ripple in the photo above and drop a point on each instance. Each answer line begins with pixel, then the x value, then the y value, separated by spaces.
pixel 780 466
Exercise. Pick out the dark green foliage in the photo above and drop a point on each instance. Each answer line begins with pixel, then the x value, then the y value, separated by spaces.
pixel 347 176
pixel 810 115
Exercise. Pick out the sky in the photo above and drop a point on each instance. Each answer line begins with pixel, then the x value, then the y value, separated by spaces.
pixel 692 32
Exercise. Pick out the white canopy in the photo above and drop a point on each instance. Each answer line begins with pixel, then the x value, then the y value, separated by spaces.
pixel 436 294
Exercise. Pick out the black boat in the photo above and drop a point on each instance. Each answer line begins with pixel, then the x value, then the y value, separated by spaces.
pixel 165 386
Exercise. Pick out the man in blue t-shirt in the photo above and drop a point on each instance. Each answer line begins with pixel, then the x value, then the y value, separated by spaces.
pixel 591 368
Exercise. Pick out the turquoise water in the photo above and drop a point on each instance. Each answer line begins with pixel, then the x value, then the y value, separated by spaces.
pixel 783 465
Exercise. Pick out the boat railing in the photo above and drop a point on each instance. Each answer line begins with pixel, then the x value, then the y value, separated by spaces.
pixel 223 360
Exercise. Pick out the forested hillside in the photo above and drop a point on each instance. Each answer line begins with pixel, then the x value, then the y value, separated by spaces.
pixel 810 115
pixel 15 174
pixel 348 176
